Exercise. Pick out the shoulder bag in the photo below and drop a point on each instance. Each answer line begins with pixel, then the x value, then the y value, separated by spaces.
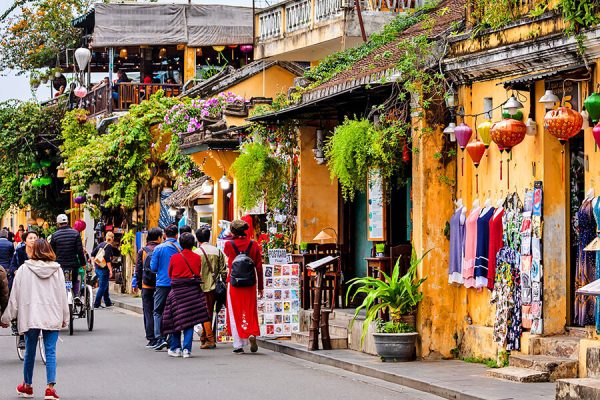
pixel 220 287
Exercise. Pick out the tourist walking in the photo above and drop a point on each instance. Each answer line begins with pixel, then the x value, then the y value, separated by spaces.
pixel 161 258
pixel 245 276
pixel 186 305
pixel 146 282
pixel 4 293
pixel 19 234
pixel 214 268
pixel 39 301
pixel 67 245
pixel 101 259
pixel 7 249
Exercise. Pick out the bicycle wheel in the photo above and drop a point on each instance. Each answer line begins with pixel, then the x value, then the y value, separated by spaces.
pixel 42 348
pixel 20 352
pixel 89 309
pixel 70 319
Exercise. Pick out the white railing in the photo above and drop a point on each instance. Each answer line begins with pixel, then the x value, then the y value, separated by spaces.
pixel 269 23
pixel 393 5
pixel 325 9
pixel 297 15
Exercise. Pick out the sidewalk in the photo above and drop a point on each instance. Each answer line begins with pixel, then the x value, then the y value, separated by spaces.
pixel 450 379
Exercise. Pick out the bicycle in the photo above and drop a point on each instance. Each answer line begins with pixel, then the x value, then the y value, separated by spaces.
pixel 21 351
pixel 82 305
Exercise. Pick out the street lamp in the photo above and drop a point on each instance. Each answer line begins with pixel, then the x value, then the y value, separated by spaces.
pixel 224 182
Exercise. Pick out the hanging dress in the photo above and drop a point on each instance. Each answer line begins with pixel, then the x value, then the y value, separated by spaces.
pixel 586 265
pixel 496 243
pixel 597 217
pixel 483 248
pixel 457 247
pixel 468 271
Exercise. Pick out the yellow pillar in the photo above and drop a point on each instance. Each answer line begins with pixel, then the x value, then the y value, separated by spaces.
pixel 189 64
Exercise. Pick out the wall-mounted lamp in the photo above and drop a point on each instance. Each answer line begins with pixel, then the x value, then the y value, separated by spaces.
pixel 318 150
pixel 450 131
pixel 123 53
pixel 531 127
pixel 162 53
pixel 207 187
pixel 549 99
pixel 512 105
pixel 172 211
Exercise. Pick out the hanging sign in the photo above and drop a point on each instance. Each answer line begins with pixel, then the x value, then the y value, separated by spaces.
pixel 277 256
pixel 376 210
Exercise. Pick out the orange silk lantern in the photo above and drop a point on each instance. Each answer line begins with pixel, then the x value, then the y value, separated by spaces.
pixel 563 123
pixel 476 149
pixel 507 134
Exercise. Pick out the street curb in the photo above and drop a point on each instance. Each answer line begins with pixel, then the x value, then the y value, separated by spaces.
pixel 128 307
pixel 320 358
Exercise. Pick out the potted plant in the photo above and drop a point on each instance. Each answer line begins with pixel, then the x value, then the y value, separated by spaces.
pixel 380 249
pixel 399 295
pixel 303 247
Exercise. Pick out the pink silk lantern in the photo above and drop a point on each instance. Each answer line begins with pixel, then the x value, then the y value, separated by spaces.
pixel 79 225
pixel 596 133
pixel 463 134
pixel 80 92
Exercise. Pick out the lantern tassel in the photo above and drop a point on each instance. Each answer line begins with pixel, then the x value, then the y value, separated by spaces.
pixel 508 174
pixel 500 166
pixel 477 183
pixel 563 164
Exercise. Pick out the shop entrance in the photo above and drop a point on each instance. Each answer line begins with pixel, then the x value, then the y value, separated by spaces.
pixel 576 193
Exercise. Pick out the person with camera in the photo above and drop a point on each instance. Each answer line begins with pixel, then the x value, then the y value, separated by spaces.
pixel 101 259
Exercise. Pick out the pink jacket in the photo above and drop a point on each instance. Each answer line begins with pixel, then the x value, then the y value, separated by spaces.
pixel 38 299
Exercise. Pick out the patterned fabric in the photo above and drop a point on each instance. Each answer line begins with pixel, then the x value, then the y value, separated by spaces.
pixel 586 265
pixel 596 206
pixel 512 221
pixel 501 296
pixel 457 247
pixel 496 233
pixel 515 327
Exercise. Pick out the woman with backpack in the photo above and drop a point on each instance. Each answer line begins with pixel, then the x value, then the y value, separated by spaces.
pixel 245 276
pixel 101 259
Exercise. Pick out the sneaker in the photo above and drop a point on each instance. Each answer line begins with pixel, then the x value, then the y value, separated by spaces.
pixel 51 394
pixel 186 353
pixel 174 353
pixel 21 344
pixel 238 351
pixel 23 391
pixel 161 344
pixel 151 344
pixel 253 344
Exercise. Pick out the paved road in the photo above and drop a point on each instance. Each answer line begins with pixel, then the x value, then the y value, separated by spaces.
pixel 111 363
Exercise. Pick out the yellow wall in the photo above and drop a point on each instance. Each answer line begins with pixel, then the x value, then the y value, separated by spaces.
pixel 317 193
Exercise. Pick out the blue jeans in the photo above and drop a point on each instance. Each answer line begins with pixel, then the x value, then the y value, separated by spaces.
pixel 102 274
pixel 175 340
pixel 31 341
pixel 160 299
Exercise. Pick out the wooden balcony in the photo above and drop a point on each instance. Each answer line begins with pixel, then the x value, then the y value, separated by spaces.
pixel 99 102
pixel 304 30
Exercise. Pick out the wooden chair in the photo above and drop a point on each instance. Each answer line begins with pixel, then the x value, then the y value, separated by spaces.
pixel 332 279
pixel 402 252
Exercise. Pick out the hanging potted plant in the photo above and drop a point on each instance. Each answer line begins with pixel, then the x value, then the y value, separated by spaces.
pixel 399 295
pixel 34 81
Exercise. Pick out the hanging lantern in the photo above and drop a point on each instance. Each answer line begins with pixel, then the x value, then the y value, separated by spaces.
pixel 82 56
pixel 218 48
pixel 483 129
pixel 476 149
pixel 463 134
pixel 563 123
pixel 232 47
pixel 45 163
pixel 123 53
pixel 405 153
pixel 79 225
pixel 79 199
pixel 199 52
pixel 508 133
pixel 596 133
pixel 592 105
pixel 80 92
pixel 246 48
pixel 36 182
pixel 162 53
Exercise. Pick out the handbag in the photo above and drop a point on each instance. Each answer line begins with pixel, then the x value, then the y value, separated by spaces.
pixel 220 286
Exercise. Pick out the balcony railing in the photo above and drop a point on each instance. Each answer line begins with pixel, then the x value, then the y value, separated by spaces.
pixel 293 15
pixel 98 101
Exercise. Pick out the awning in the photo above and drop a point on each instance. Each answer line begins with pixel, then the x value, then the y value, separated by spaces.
pixel 222 25
pixel 186 194
pixel 590 289
pixel 171 24
pixel 524 82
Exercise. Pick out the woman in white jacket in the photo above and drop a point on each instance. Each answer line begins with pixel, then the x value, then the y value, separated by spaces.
pixel 39 301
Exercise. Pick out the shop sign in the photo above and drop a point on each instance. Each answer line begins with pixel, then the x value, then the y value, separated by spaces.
pixel 376 210
pixel 277 256
pixel 568 91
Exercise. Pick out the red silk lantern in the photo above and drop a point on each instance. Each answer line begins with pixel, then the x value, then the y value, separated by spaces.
pixel 508 133
pixel 596 133
pixel 563 123
pixel 476 149
pixel 79 225
pixel 463 134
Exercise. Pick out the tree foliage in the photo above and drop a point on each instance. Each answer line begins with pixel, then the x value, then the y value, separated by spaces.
pixel 34 32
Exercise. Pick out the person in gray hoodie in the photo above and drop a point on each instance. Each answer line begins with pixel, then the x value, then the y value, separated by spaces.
pixel 39 300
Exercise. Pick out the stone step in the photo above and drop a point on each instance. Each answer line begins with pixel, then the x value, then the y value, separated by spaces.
pixel 578 389
pixel 556 346
pixel 338 330
pixel 337 342
pixel 518 374
pixel 557 368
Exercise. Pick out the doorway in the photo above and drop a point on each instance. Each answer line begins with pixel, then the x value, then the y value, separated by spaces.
pixel 576 193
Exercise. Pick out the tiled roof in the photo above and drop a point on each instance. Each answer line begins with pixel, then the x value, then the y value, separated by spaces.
pixel 186 194
pixel 375 66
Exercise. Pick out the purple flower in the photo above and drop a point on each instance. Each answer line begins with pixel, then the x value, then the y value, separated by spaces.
pixel 167 147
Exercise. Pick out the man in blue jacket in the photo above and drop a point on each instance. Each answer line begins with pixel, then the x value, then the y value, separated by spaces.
pixel 161 257
pixel 6 249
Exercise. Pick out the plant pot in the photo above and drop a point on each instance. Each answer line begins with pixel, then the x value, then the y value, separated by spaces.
pixel 394 347
pixel 380 254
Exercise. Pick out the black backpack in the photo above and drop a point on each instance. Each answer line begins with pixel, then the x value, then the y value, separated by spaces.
pixel 243 269
pixel 148 277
